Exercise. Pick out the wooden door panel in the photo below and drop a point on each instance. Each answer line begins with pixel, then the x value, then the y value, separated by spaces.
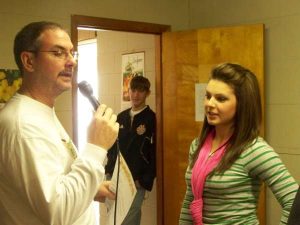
pixel 179 70
pixel 240 44
pixel 188 57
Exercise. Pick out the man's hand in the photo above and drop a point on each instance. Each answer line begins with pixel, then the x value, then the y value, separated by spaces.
pixel 104 192
pixel 103 129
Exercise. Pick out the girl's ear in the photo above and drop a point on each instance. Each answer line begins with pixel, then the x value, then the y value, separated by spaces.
pixel 27 61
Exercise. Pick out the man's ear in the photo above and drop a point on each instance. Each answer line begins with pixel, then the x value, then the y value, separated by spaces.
pixel 27 61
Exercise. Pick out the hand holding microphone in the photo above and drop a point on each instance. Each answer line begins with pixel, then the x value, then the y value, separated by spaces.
pixel 103 129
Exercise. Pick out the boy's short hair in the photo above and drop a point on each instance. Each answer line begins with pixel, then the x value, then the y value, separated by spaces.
pixel 140 83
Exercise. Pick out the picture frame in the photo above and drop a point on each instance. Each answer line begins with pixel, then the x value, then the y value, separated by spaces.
pixel 133 64
pixel 10 82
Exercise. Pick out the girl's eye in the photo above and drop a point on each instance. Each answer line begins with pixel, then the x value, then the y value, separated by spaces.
pixel 207 96
pixel 221 99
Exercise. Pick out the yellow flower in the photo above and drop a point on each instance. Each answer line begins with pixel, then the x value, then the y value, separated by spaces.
pixel 2 75
pixel 6 91
pixel 4 83
pixel 17 83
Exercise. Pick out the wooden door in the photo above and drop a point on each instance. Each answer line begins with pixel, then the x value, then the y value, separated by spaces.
pixel 187 58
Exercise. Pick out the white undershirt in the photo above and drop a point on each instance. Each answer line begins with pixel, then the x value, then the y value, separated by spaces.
pixel 133 113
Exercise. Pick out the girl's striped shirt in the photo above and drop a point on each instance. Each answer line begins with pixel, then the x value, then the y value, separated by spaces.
pixel 232 197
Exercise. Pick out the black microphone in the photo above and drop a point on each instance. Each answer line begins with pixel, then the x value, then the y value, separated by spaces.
pixel 86 89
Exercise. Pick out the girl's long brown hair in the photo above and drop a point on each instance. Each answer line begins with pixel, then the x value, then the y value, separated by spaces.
pixel 248 112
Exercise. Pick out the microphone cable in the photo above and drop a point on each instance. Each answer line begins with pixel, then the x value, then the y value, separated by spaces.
pixel 117 186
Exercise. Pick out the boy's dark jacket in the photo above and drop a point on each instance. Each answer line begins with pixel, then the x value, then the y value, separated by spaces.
pixel 137 145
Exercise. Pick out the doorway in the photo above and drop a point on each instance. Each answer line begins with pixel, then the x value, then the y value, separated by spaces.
pixel 135 27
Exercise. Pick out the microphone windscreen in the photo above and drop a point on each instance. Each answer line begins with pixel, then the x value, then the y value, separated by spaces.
pixel 85 88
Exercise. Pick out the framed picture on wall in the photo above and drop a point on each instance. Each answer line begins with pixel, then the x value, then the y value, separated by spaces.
pixel 132 65
pixel 10 82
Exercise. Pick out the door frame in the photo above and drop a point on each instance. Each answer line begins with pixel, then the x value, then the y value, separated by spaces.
pixel 137 27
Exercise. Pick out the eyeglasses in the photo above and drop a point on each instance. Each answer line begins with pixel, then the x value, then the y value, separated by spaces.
pixel 61 53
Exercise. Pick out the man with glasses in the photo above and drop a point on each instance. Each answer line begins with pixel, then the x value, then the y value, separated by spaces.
pixel 43 180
